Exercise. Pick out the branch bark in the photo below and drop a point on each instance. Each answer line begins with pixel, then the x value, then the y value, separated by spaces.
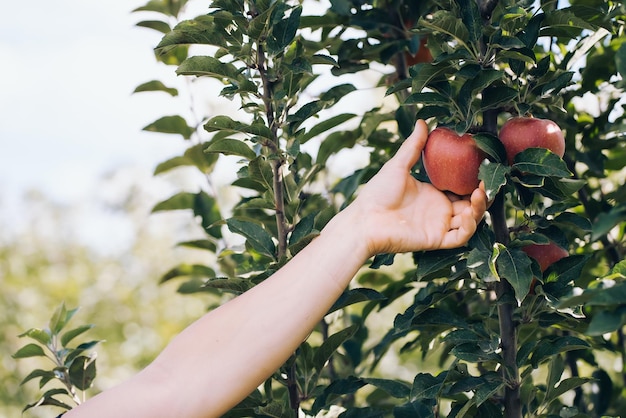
pixel 506 301
pixel 277 161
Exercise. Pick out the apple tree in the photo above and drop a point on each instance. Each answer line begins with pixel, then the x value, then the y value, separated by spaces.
pixel 491 329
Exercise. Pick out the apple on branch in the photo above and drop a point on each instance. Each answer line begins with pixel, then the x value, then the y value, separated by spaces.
pixel 520 133
pixel 452 161
pixel 545 255
pixel 422 55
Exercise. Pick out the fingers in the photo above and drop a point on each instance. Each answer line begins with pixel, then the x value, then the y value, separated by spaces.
pixel 478 203
pixel 409 152
pixel 466 215
pixel 458 236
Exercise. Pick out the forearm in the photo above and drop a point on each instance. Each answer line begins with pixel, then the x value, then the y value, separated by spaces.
pixel 274 318
pixel 226 354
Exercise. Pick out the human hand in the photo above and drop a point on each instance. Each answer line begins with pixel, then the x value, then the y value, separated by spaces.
pixel 397 213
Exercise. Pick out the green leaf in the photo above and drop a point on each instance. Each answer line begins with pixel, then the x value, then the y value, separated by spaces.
pixel 605 321
pixel 330 345
pixel 188 270
pixel 236 285
pixel 326 126
pixel 60 318
pixel 275 409
pixel 320 59
pixel 225 123
pixel 75 353
pixel 353 296
pixel 604 297
pixel 182 200
pixel 438 112
pixel 174 124
pixel 171 164
pixel 427 386
pixel 82 372
pixel 70 335
pixel 395 388
pixel 494 175
pixel 606 221
pixel 168 8
pixel 515 266
pixel 444 21
pixel 574 220
pixel 48 400
pixel 505 42
pixel 343 386
pixel 556 84
pixel 482 80
pixel 432 262
pixel 156 85
pixel 29 350
pixel 412 409
pixel 496 96
pixel 473 353
pixel 491 145
pixel 45 375
pixel 470 15
pixel 40 335
pixel 157 25
pixel 427 99
pixel 549 346
pixel 555 371
pixel 565 386
pixel 260 171
pixel 541 162
pixel 336 93
pixel 564 19
pixel 200 244
pixel 620 60
pixel 258 238
pixel 619 269
pixel 200 30
pixel 487 390
pixel 283 33
pixel 302 229
pixel 208 66
pixel 335 142
pixel 423 74
pixel 228 146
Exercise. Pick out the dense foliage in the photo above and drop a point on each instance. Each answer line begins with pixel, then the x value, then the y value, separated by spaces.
pixel 506 346
pixel 486 332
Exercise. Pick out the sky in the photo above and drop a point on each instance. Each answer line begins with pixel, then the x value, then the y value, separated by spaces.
pixel 67 113
pixel 68 117
pixel 66 79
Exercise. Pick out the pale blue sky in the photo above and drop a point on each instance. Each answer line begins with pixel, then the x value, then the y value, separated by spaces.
pixel 67 114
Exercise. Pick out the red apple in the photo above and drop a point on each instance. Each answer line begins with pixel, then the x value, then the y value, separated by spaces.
pixel 520 133
pixel 452 161
pixel 423 54
pixel 545 254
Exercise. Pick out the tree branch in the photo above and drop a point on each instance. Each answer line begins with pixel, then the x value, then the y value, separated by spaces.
pixel 277 161
pixel 506 301
pixel 486 7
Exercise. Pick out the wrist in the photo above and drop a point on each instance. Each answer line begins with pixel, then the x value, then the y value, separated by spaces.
pixel 348 229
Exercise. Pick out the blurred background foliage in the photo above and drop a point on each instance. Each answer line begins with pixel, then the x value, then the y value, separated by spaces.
pixel 45 260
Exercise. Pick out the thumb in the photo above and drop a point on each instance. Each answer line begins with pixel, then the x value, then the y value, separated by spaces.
pixel 409 152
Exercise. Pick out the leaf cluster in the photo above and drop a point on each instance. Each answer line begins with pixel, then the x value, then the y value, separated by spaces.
pixel 73 367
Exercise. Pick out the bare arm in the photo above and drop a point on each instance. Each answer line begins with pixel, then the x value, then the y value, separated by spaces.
pixel 222 357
